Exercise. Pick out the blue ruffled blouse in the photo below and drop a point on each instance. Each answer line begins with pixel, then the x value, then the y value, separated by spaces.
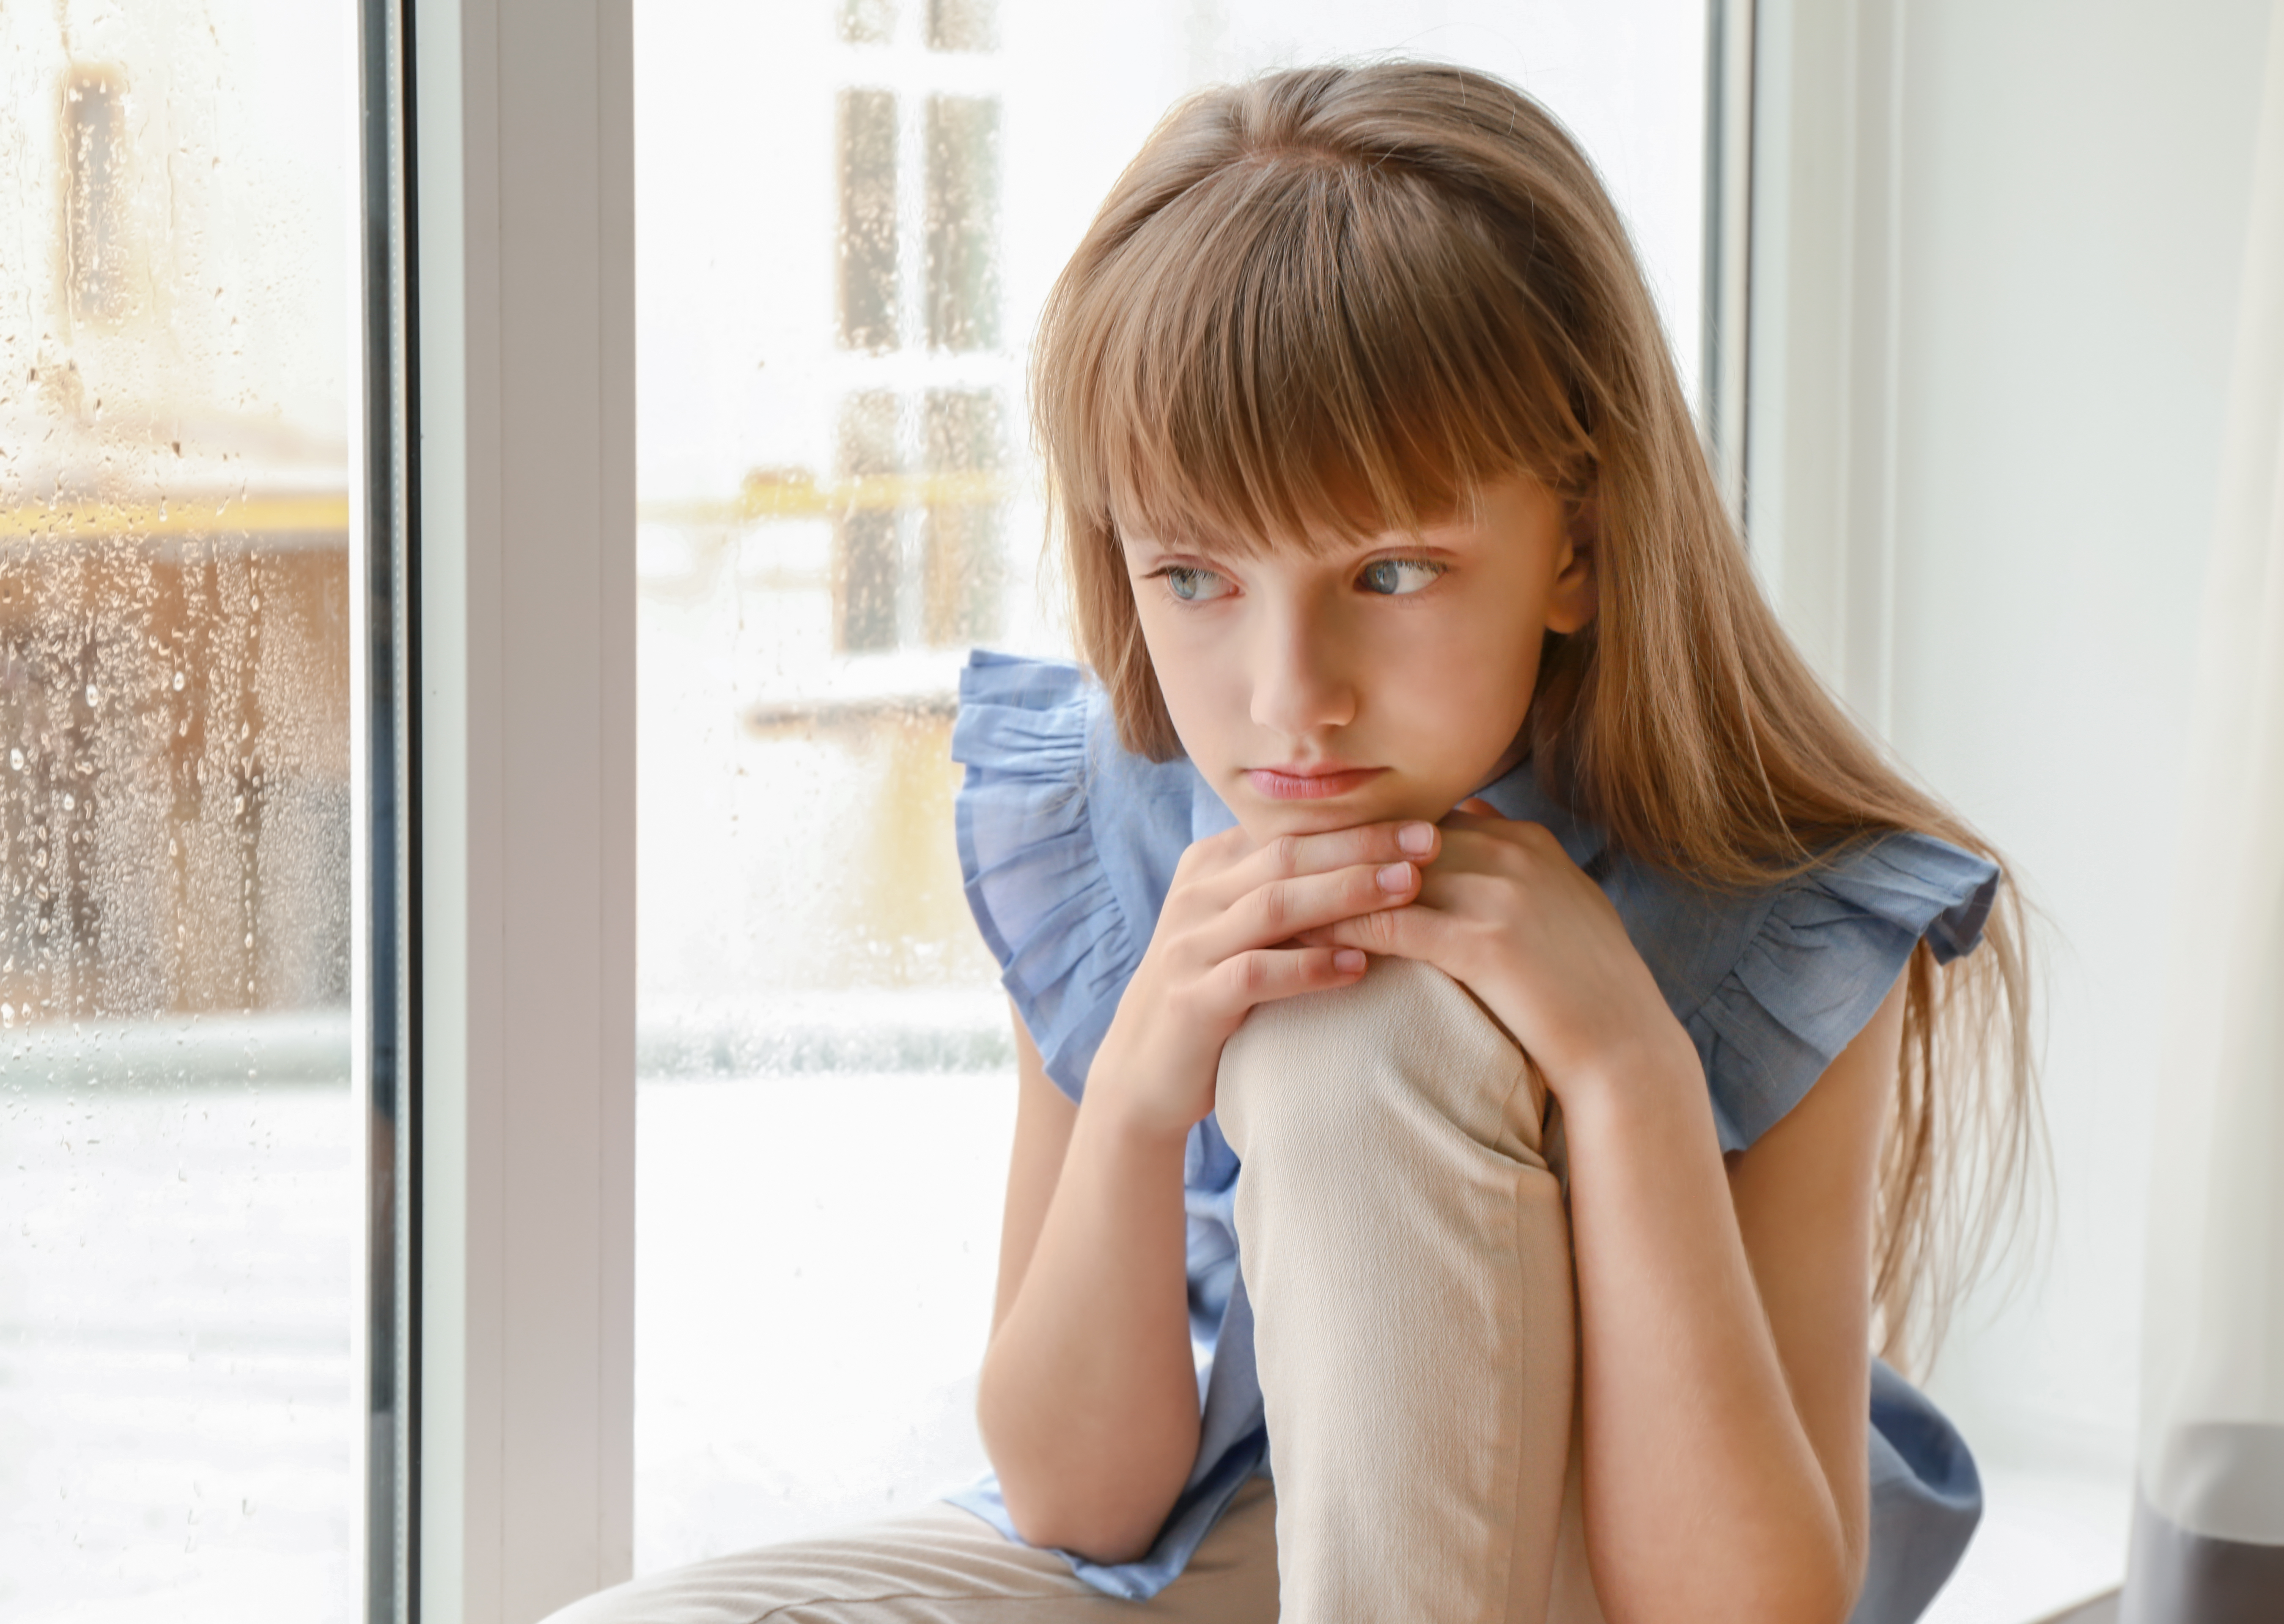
pixel 1068 843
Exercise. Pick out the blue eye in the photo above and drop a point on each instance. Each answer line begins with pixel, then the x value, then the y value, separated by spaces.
pixel 1191 584
pixel 1396 577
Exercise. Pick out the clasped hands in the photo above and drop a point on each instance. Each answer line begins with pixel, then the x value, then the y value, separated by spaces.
pixel 1494 903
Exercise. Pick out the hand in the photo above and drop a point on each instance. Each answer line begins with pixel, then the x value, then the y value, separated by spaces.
pixel 1225 941
pixel 1506 913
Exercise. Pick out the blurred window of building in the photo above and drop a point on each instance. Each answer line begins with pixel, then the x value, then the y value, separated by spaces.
pixel 181 1193
pixel 850 213
pixel 95 193
pixel 869 304
pixel 963 245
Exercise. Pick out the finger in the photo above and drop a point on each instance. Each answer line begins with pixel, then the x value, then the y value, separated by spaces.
pixel 1472 846
pixel 1399 933
pixel 1477 815
pixel 1282 908
pixel 1288 857
pixel 1265 974
pixel 1460 889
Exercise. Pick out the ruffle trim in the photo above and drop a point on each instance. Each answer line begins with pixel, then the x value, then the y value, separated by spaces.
pixel 1035 877
pixel 1826 952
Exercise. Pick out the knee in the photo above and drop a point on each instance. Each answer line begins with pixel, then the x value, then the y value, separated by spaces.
pixel 1407 1048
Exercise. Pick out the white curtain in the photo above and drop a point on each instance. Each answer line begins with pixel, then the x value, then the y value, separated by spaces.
pixel 2209 1531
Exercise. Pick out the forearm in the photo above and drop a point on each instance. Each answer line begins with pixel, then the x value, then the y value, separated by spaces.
pixel 1088 1401
pixel 1705 1499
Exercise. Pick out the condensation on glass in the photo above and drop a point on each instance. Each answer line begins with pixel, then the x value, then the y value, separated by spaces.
pixel 916 559
pixel 868 147
pixel 849 213
pixel 180 1197
pixel 963 247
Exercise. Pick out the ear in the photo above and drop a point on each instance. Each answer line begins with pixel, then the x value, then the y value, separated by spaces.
pixel 1571 605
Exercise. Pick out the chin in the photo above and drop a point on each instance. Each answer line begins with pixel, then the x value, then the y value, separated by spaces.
pixel 1265 820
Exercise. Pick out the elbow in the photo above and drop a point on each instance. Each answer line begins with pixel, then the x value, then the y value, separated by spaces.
pixel 1797 1582
pixel 1817 1589
pixel 1828 1598
pixel 1086 1496
pixel 1811 1572
pixel 1105 1535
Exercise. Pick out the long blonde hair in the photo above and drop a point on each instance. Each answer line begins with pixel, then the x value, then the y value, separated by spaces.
pixel 1335 302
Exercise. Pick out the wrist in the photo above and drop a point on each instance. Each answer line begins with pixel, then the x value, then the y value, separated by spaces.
pixel 1146 1087
pixel 1653 1076
pixel 1126 1119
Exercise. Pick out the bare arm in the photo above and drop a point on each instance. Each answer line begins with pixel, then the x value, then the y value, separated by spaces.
pixel 1042 1130
pixel 1088 1400
pixel 1725 1324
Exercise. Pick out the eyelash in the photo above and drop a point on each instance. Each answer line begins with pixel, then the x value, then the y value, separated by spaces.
pixel 1433 569
pixel 1166 572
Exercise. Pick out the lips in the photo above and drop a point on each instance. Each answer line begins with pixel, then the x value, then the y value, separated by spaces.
pixel 1309 782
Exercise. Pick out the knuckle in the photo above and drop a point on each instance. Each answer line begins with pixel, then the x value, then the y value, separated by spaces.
pixel 1276 905
pixel 1284 854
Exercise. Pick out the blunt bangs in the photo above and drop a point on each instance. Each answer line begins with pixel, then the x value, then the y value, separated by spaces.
pixel 1303 349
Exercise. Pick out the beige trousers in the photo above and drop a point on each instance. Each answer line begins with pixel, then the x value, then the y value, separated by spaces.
pixel 1407 1253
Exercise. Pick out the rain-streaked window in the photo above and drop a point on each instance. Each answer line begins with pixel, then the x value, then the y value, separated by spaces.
pixel 849 211
pixel 177 1191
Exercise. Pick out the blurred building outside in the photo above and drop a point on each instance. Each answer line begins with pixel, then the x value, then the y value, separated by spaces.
pixel 180 1197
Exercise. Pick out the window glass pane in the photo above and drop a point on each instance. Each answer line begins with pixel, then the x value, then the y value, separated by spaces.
pixel 178 1195
pixel 849 213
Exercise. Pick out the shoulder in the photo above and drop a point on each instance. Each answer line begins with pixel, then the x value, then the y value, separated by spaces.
pixel 1772 982
pixel 1067 843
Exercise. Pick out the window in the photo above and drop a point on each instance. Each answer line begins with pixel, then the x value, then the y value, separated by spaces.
pixel 95 240
pixel 849 213
pixel 181 1189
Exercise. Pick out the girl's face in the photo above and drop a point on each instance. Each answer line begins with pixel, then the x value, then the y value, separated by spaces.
pixel 1385 680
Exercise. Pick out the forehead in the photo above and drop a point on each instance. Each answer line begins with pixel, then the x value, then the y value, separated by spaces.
pixel 1465 520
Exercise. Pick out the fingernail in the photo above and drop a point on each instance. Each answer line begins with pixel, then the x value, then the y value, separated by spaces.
pixel 1396 876
pixel 1347 961
pixel 1416 837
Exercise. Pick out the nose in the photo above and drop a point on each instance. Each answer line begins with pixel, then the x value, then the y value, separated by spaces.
pixel 1301 681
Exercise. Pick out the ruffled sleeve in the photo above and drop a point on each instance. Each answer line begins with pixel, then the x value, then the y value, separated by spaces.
pixel 1067 846
pixel 1813 959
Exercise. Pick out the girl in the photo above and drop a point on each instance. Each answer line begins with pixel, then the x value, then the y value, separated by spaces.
pixel 1497 1043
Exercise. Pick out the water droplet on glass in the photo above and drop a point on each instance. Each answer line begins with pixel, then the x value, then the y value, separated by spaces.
pixel 178 682
pixel 70 800
pixel 93 695
pixel 16 760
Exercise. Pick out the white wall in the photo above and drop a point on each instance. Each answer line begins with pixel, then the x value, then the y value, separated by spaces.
pixel 2038 292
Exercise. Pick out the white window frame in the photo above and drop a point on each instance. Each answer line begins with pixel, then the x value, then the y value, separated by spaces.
pixel 1823 305
pixel 523 138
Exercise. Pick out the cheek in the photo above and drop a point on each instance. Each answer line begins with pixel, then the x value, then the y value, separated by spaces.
pixel 1197 673
pixel 1471 670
